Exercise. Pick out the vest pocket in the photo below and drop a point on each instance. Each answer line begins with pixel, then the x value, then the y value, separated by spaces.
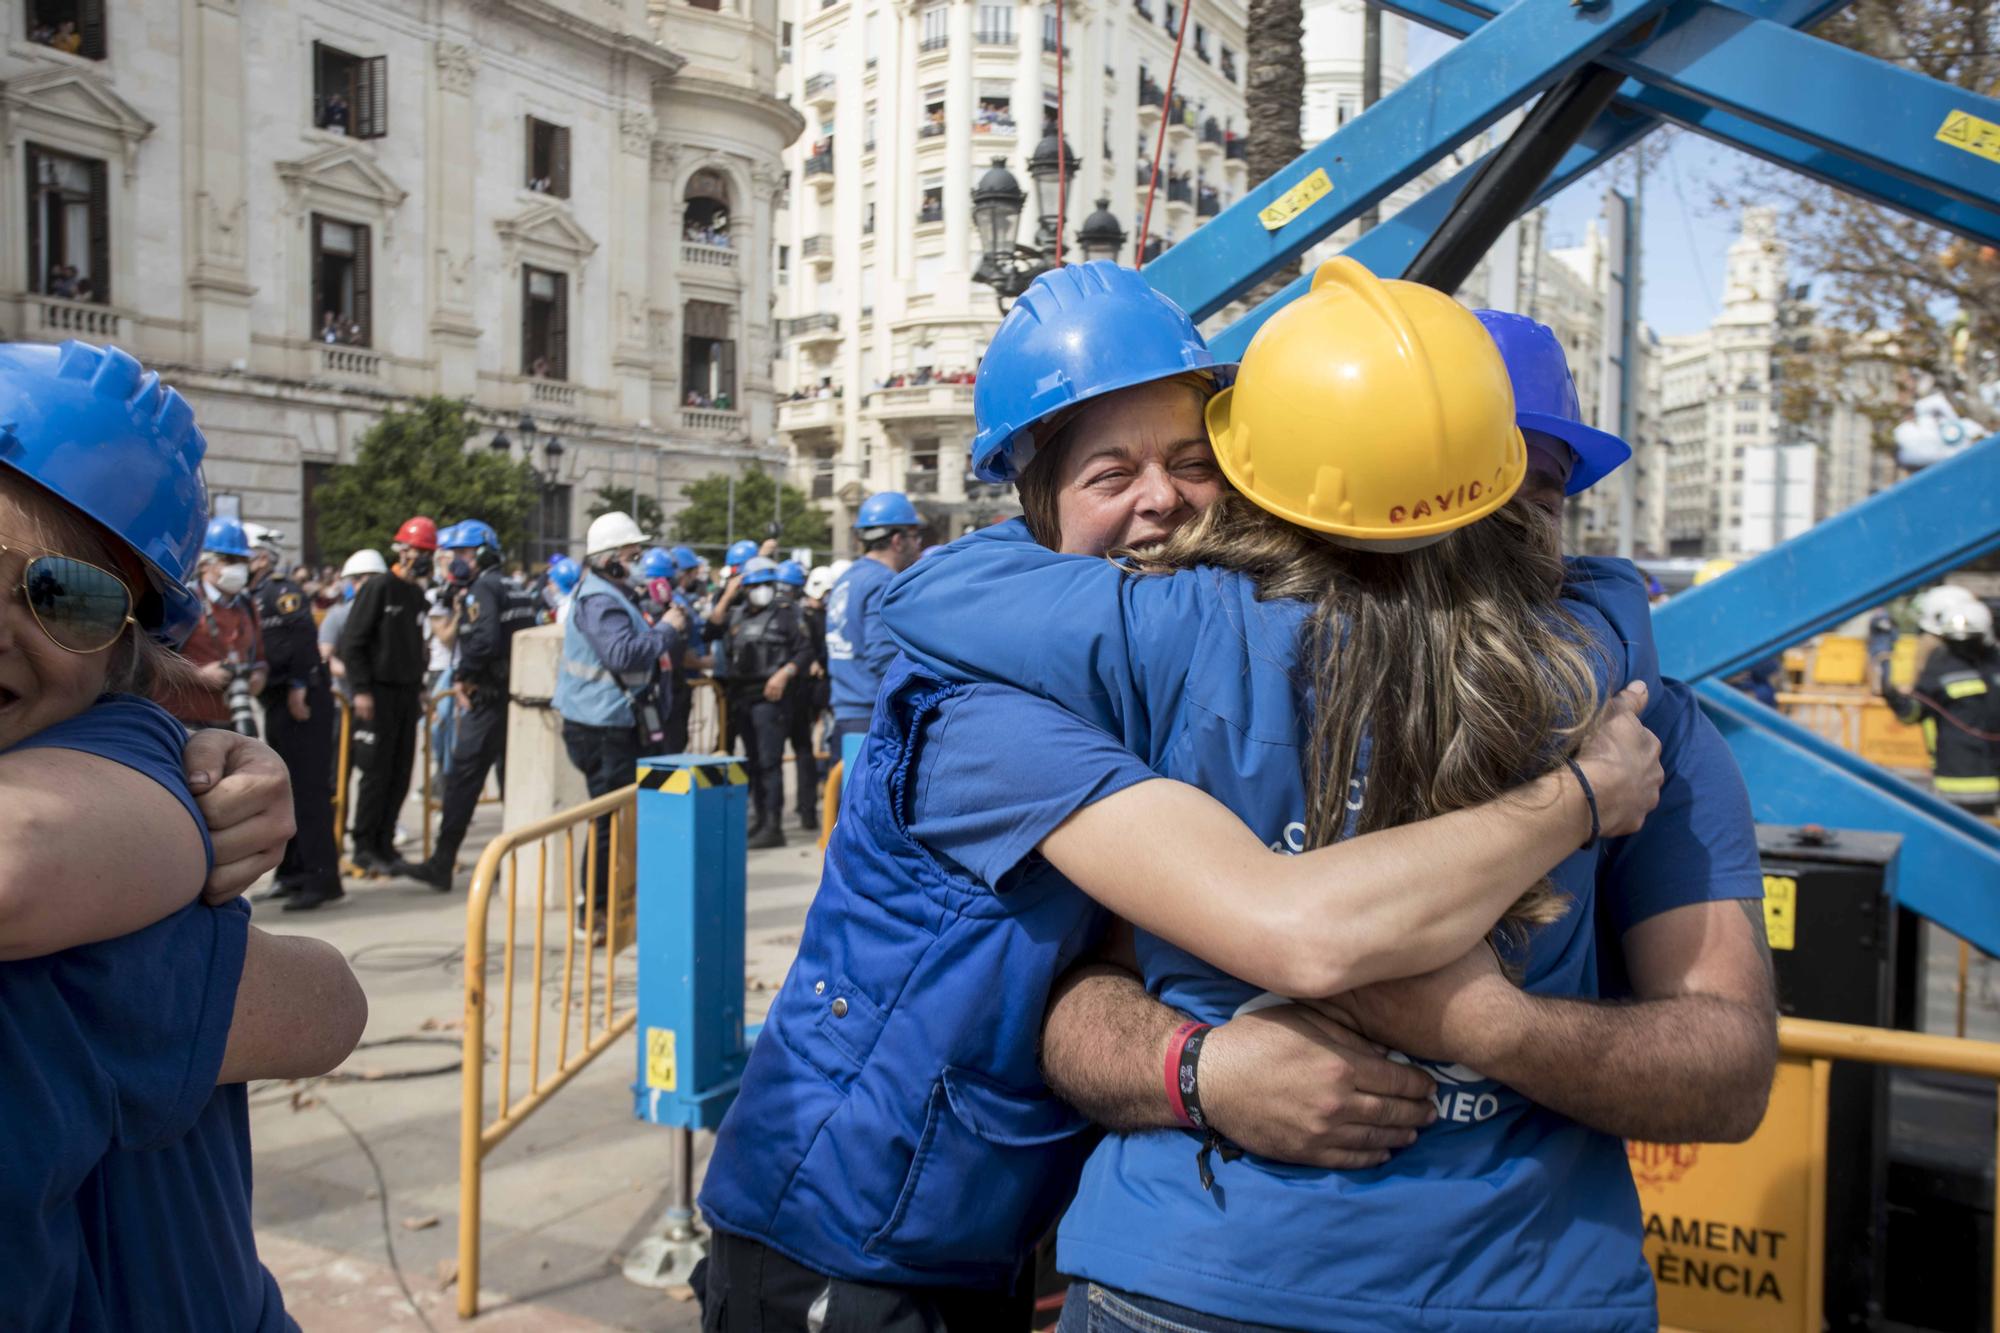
pixel 991 1170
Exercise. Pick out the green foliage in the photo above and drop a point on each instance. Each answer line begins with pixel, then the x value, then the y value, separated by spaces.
pixel 646 512
pixel 705 521
pixel 416 462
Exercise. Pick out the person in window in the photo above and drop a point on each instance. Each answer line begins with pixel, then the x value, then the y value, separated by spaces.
pixel 84 290
pixel 334 117
pixel 540 368
pixel 62 281
pixel 329 327
pixel 67 38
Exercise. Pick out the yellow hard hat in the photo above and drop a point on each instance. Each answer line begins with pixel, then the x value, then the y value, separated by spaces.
pixel 1377 412
pixel 1712 570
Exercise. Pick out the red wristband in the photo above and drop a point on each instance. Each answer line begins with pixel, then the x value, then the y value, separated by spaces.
pixel 1175 1045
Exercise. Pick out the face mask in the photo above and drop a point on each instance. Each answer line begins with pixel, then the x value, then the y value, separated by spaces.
pixel 761 595
pixel 230 579
pixel 615 571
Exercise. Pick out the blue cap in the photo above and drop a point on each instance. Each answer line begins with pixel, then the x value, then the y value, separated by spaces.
pixel 1545 396
pixel 225 536
pixel 792 574
pixel 656 563
pixel 1078 331
pixel 468 534
pixel 564 573
pixel 890 509
pixel 759 569
pixel 685 558
pixel 740 552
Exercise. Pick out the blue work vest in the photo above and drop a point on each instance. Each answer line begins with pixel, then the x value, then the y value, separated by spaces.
pixel 893 1125
pixel 854 650
pixel 1503 1215
pixel 587 691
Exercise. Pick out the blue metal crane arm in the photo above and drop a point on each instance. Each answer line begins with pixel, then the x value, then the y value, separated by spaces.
pixel 1893 541
pixel 1508 60
pixel 1949 869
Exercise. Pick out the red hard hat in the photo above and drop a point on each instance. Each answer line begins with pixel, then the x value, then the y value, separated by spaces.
pixel 419 532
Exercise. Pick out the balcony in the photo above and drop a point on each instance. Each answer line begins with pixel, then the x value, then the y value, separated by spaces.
pixel 57 318
pixel 994 37
pixel 707 256
pixel 930 213
pixel 994 125
pixel 819 170
pixel 820 89
pixel 1236 148
pixel 351 363
pixel 931 129
pixel 920 481
pixel 1207 204
pixel 1180 190
pixel 930 45
pixel 1049 46
pixel 713 423
pixel 1211 133
pixel 918 401
pixel 818 249
pixel 551 393
pixel 801 416
pixel 812 330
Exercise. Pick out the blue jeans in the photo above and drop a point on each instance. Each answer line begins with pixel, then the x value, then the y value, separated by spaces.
pixel 1090 1308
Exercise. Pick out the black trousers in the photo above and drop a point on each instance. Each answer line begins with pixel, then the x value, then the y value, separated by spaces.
pixel 677 715
pixel 748 1287
pixel 480 744
pixel 312 857
pixel 385 749
pixel 800 714
pixel 763 726
pixel 608 758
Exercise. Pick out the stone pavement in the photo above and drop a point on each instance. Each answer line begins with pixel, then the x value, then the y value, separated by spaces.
pixel 357 1178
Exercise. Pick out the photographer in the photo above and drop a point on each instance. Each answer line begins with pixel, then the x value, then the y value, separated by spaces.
pixel 227 645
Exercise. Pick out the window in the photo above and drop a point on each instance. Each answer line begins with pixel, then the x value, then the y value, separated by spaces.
pixel 1201 43
pixel 871 38
pixel 995 114
pixel 705 210
pixel 784 43
pixel 1228 64
pixel 544 323
pixel 75 26
pixel 930 121
pixel 1049 29
pixel 996 25
pixel 1172 19
pixel 708 357
pixel 1349 109
pixel 341 309
pixel 350 93
pixel 784 262
pixel 936 35
pixel 69 226
pixel 931 207
pixel 548 158
pixel 868 129
pixel 868 210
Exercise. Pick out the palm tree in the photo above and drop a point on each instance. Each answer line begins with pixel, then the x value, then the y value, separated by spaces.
pixel 1274 89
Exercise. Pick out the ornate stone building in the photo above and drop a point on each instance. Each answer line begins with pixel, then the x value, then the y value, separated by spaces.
pixel 307 213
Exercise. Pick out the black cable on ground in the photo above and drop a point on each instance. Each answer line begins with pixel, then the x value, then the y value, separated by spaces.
pixel 405 957
pixel 389 1076
pixel 382 1198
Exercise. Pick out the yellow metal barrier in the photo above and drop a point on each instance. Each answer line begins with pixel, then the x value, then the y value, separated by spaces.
pixel 1735 1233
pixel 478 1135
pixel 1860 723
pixel 344 767
pixel 829 804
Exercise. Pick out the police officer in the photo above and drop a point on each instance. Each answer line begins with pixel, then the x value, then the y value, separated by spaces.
pixel 801 696
pixel 383 649
pixel 299 719
pixel 491 611
pixel 715 631
pixel 769 653
pixel 891 540
pixel 1956 698
pixel 225 644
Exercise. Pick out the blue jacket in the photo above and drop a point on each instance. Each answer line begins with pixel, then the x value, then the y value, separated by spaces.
pixel 1503 1215
pixel 893 1075
pixel 608 651
pixel 858 653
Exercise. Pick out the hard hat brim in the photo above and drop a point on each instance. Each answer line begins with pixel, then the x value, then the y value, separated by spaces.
pixel 1599 453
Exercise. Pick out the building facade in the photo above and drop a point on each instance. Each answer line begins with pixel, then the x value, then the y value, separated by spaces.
pixel 308 214
pixel 908 105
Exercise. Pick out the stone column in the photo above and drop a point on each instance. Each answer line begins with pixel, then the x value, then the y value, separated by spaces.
pixel 219 285
pixel 758 343
pixel 628 283
pixel 961 98
pixel 663 316
pixel 453 241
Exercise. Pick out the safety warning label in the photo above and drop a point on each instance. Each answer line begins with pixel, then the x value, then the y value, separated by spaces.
pixel 1297 200
pixel 1962 129
pixel 662 1072
pixel 1781 911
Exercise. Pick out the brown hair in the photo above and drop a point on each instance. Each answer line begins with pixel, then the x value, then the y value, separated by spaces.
pixel 1039 485
pixel 136 663
pixel 1440 678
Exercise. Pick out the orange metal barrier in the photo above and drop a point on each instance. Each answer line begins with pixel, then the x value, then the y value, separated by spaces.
pixel 829 804
pixel 343 780
pixel 577 997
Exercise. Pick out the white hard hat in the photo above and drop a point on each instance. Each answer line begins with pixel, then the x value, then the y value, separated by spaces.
pixel 1935 606
pixel 364 562
pixel 820 582
pixel 1968 620
pixel 271 539
pixel 611 530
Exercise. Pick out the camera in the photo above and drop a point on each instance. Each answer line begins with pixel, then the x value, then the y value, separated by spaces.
pixel 242 713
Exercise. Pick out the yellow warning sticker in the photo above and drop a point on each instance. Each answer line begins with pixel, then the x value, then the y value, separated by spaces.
pixel 1781 911
pixel 662 1071
pixel 1962 129
pixel 1298 199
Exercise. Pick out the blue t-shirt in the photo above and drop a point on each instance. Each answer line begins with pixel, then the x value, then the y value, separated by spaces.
pixel 126 1203
pixel 857 651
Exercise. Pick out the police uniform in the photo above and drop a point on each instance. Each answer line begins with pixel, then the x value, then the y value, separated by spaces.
pixel 761 642
pixel 310 872
pixel 1957 701
pixel 491 612
pixel 383 650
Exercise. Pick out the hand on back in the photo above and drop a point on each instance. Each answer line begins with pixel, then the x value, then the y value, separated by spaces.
pixel 1622 761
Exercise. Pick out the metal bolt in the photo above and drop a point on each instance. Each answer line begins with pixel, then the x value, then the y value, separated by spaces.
pixel 839 1007
pixel 819 988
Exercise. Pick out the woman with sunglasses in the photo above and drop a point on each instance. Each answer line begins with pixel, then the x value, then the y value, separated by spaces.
pixel 130 1023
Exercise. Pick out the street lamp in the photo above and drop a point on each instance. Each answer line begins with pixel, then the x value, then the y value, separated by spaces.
pixel 1005 265
pixel 1053 165
pixel 1100 236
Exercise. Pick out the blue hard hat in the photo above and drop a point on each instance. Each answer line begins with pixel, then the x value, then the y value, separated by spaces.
pixel 792 574
pixel 94 428
pixel 1078 331
pixel 759 569
pixel 685 558
pixel 564 573
pixel 740 552
pixel 1545 396
pixel 225 536
pixel 656 563
pixel 890 509
pixel 468 534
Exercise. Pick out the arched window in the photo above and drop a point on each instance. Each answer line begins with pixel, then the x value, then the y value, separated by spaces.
pixel 705 216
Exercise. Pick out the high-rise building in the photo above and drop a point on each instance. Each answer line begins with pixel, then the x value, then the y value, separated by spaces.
pixel 307 214
pixel 908 107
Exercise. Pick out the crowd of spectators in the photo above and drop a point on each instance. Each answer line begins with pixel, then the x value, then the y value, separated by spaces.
pixel 812 391
pixel 336 331
pixel 66 282
pixel 923 375
pixel 721 402
pixel 716 233
pixel 62 36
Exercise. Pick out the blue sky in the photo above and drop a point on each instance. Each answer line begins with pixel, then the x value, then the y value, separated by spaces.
pixel 1684 239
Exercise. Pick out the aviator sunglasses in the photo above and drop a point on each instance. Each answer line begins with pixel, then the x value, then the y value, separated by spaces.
pixel 82 608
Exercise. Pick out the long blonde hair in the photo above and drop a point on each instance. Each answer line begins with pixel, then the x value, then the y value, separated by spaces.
pixel 1439 678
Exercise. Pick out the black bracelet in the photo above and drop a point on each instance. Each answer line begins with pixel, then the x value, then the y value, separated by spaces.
pixel 1591 798
pixel 1189 1075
